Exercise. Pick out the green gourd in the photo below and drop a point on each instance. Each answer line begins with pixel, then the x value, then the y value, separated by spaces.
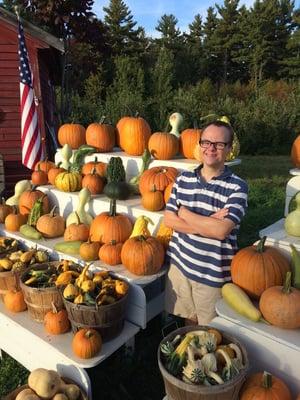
pixel 292 221
pixel 295 263
pixel 20 187
pixel 116 188
pixel 175 120
pixel 84 197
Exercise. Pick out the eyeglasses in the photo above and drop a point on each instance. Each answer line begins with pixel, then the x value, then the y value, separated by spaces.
pixel 205 144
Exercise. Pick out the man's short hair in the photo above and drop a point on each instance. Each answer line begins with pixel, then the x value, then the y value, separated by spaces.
pixel 221 124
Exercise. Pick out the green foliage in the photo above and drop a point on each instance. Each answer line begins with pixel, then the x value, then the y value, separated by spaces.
pixel 12 375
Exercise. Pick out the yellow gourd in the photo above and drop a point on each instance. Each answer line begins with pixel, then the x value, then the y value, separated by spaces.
pixel 70 292
pixel 235 148
pixel 20 187
pixel 141 226
pixel 64 278
pixel 164 234
pixel 121 287
pixel 83 276
pixel 88 286
pixel 84 197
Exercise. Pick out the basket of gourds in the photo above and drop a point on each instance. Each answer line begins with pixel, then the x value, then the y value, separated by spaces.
pixel 96 300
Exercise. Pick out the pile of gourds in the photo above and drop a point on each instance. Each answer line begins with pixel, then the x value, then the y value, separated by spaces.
pixel 18 260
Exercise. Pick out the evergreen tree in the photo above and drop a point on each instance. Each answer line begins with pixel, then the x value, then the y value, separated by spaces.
pixel 194 51
pixel 170 34
pixel 211 56
pixel 291 62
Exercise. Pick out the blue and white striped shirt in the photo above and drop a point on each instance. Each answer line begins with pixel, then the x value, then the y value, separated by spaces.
pixel 199 258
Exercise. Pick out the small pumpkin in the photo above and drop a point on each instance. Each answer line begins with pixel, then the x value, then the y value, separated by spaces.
pixel 93 182
pixel 256 268
pixel 14 221
pixel 14 301
pixel 161 177
pixel 44 166
pixel 51 225
pixel 110 253
pixel 101 136
pixel 5 209
pixel 71 134
pixel 39 177
pixel 153 200
pixel 68 181
pixel 167 192
pixel 99 166
pixel 77 231
pixel 163 145
pixel 142 256
pixel 89 250
pixel 56 322
pixel 188 140
pixel 86 343
pixel 28 199
pixel 53 172
pixel 134 134
pixel 264 386
pixel 280 305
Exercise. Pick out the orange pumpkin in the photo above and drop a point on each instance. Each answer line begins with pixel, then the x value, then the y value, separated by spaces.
pixel 110 253
pixel 167 192
pixel 153 200
pixel 56 322
pixel 101 136
pixel 264 386
pixel 51 225
pixel 134 134
pixel 29 197
pixel 93 182
pixel 5 209
pixel 71 134
pixel 142 256
pixel 39 177
pixel 161 177
pixel 163 145
pixel 256 268
pixel 14 221
pixel 86 343
pixel 77 231
pixel 14 301
pixel 99 166
pixel 188 139
pixel 280 305
pixel 53 172
pixel 295 152
pixel 44 166
pixel 89 250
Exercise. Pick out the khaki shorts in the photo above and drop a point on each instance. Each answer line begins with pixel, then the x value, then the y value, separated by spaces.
pixel 189 299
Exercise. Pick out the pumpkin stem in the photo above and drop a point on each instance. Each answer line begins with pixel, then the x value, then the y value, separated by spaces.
pixel 54 309
pixel 113 242
pixel 195 123
pixel 142 238
pixel 102 119
pixel 52 212
pixel 260 248
pixel 267 380
pixel 287 283
pixel 113 208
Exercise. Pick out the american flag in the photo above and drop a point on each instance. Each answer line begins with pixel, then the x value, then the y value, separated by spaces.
pixel 32 150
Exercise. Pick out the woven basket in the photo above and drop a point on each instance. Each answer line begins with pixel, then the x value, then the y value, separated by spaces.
pixel 9 280
pixel 108 320
pixel 176 389
pixel 39 300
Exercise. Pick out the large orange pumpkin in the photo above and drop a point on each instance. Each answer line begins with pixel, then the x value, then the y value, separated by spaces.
pixel 256 268
pixel 188 139
pixel 295 152
pixel 71 134
pixel 134 134
pixel 158 176
pixel 143 255
pixel 86 343
pixel 101 136
pixel 280 305
pixel 163 145
pixel 264 386
pixel 29 197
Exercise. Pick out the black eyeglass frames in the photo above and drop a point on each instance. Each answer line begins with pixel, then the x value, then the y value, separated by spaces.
pixel 205 144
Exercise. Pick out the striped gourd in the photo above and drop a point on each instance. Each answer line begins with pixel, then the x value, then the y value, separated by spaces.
pixel 68 181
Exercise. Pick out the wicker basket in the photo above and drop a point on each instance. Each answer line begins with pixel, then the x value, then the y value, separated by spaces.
pixel 39 300
pixel 9 280
pixel 108 320
pixel 176 389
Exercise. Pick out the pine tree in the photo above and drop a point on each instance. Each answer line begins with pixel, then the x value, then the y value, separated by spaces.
pixel 212 61
pixel 170 34
pixel 292 60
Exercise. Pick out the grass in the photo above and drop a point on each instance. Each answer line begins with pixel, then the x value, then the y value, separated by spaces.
pixel 136 375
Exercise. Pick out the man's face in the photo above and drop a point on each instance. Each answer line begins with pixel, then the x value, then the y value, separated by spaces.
pixel 212 156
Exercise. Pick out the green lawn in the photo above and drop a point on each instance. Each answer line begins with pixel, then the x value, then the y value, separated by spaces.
pixel 136 376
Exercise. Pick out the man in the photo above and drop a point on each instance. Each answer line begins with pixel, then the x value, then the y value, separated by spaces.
pixel 204 210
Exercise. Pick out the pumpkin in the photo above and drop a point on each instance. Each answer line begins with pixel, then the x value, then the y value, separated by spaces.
pixel 39 177
pixel 77 231
pixel 158 176
pixel 68 181
pixel 264 386
pixel 14 221
pixel 56 322
pixel 99 166
pixel 89 250
pixel 86 343
pixel 163 145
pixel 71 134
pixel 256 268
pixel 280 305
pixel 153 200
pixel 110 253
pixel 53 172
pixel 189 138
pixel 134 134
pixel 14 301
pixel 197 153
pixel 101 136
pixel 44 166
pixel 295 152
pixel 167 192
pixel 142 256
pixel 5 209
pixel 51 225
pixel 28 199
pixel 45 383
pixel 93 182
pixel 109 226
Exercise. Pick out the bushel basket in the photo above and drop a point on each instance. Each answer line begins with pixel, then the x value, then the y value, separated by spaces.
pixel 176 389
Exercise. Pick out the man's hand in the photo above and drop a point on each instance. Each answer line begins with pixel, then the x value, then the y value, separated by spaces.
pixel 221 214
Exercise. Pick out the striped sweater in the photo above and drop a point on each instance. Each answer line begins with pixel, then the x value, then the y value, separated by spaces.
pixel 199 258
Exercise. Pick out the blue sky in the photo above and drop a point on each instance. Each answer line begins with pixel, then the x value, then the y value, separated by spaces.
pixel 147 12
